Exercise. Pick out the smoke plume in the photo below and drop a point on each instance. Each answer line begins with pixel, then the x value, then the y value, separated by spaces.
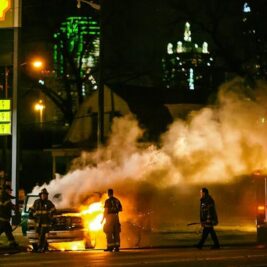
pixel 217 145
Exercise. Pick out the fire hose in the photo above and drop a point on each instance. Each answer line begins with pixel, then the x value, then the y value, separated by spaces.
pixel 193 223
pixel 198 230
pixel 16 226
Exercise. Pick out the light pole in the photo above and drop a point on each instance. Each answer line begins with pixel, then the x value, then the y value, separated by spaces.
pixel 100 125
pixel 15 131
pixel 39 107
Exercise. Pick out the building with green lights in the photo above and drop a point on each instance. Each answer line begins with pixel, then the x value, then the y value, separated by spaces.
pixel 76 49
pixel 187 65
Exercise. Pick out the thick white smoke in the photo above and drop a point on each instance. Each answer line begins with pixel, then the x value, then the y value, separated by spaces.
pixel 214 145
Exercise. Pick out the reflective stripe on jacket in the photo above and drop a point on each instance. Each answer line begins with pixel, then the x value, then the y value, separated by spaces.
pixel 42 211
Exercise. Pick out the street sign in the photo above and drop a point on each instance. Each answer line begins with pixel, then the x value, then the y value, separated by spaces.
pixel 6 13
pixel 5 128
pixel 5 116
pixel 5 104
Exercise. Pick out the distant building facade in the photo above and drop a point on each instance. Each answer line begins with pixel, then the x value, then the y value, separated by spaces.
pixel 79 38
pixel 187 65
pixel 253 32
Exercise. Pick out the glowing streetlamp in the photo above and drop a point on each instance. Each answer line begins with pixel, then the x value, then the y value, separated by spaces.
pixel 37 64
pixel 39 107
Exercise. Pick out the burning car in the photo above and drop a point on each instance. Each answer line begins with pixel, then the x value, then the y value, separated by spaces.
pixel 69 230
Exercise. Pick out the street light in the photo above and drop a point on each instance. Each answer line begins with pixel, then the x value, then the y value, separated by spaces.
pixel 39 107
pixel 37 64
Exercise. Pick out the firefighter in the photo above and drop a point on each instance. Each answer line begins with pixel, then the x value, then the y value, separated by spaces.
pixel 112 227
pixel 42 211
pixel 6 207
pixel 208 219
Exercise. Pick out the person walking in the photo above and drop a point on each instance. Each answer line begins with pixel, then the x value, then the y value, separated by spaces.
pixel 6 207
pixel 208 219
pixel 112 227
pixel 42 211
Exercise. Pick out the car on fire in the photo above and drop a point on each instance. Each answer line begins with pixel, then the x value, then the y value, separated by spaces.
pixel 67 226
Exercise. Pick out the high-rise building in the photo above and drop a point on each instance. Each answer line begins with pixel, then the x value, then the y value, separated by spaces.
pixel 186 65
pixel 256 49
pixel 78 38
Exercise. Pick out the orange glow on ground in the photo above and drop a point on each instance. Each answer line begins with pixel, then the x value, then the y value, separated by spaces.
pixel 66 246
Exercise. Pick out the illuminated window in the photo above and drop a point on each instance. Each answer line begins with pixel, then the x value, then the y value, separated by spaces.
pixel 179 47
pixel 170 48
pixel 187 32
pixel 205 48
pixel 246 8
pixel 191 79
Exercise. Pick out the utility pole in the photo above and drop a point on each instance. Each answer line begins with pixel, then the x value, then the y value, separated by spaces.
pixel 15 135
pixel 5 138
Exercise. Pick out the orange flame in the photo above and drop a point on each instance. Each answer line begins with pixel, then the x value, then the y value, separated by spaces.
pixel 92 216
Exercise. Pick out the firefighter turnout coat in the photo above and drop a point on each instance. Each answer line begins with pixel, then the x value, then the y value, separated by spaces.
pixel 208 214
pixel 112 227
pixel 42 212
pixel 6 207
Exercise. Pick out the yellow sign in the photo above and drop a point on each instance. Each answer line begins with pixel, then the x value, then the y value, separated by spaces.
pixel 6 13
pixel 5 5
pixel 5 104
pixel 5 116
pixel 5 128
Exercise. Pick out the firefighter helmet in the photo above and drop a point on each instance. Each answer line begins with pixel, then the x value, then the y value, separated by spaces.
pixel 44 191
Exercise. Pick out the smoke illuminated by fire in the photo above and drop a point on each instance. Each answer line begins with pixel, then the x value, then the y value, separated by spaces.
pixel 213 146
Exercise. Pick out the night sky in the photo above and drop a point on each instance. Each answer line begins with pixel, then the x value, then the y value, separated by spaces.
pixel 135 36
pixel 136 32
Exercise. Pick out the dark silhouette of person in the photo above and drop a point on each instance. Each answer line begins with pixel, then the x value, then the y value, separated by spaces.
pixel 208 219
pixel 112 227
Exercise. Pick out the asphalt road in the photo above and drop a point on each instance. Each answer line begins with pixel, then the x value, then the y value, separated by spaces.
pixel 230 257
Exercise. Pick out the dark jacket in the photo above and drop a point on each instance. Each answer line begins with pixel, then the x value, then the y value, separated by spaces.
pixel 208 215
pixel 6 206
pixel 42 212
pixel 113 205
